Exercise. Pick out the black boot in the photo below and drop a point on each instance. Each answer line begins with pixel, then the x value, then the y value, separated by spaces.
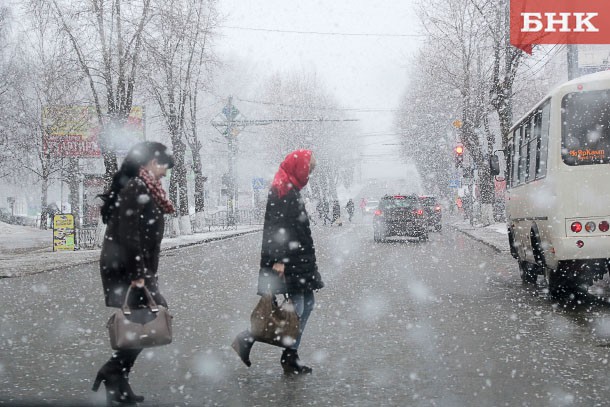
pixel 242 345
pixel 291 363
pixel 111 374
pixel 126 388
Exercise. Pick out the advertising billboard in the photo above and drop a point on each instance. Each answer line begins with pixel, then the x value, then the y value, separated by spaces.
pixel 63 232
pixel 75 131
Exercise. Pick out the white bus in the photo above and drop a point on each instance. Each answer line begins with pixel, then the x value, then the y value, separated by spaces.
pixel 558 186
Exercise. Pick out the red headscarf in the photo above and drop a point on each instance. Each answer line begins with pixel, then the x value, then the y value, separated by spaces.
pixel 293 172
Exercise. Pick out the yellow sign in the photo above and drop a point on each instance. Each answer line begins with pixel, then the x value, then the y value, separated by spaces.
pixel 457 124
pixel 63 232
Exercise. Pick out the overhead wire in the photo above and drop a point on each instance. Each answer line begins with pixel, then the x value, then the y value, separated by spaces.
pixel 362 110
pixel 342 34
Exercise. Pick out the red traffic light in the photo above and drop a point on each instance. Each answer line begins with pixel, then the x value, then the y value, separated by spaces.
pixel 459 150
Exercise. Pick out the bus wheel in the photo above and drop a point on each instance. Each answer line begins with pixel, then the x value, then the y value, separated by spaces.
pixel 511 244
pixel 537 248
pixel 529 272
pixel 561 283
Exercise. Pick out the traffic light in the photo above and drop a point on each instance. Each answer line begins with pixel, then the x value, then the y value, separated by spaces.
pixel 459 155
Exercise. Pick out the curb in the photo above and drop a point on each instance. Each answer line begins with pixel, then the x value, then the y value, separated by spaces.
pixel 210 239
pixel 93 259
pixel 478 239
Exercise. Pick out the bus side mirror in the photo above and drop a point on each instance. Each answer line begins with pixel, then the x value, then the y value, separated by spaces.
pixel 494 165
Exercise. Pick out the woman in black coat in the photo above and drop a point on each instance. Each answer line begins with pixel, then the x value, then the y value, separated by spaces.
pixel 133 212
pixel 288 257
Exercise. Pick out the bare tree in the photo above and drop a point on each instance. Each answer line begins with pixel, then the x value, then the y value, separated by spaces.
pixel 424 123
pixel 106 41
pixel 45 81
pixel 178 50
pixel 308 108
pixel 7 79
pixel 459 56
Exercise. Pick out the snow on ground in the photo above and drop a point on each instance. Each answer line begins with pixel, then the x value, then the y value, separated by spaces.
pixel 23 238
pixel 25 250
pixel 32 254
pixel 498 228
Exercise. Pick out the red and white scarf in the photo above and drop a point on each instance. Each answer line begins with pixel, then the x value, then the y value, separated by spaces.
pixel 156 190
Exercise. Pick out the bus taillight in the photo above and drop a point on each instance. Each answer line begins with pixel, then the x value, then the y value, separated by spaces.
pixel 604 226
pixel 576 227
pixel 590 227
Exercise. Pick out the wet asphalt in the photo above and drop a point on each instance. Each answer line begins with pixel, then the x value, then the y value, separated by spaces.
pixel 402 323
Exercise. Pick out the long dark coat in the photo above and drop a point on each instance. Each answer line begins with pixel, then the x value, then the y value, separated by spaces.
pixel 287 239
pixel 132 244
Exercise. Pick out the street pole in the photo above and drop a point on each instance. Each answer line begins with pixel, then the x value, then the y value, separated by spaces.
pixel 230 113
pixel 232 187
pixel 230 122
pixel 573 61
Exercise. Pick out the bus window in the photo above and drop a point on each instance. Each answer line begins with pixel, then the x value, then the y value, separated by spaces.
pixel 545 116
pixel 585 130
pixel 523 155
pixel 515 166
pixel 534 146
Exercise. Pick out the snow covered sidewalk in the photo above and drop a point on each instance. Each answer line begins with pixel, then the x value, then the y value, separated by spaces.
pixel 25 250
pixel 494 235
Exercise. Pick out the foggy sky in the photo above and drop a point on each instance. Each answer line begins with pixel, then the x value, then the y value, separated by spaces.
pixel 364 72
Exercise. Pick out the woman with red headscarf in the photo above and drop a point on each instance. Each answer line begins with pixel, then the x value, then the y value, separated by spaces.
pixel 288 258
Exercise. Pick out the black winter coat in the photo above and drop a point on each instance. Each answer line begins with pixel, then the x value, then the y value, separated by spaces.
pixel 132 244
pixel 287 239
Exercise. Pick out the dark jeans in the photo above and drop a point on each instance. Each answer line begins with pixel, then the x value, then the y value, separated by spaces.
pixel 123 360
pixel 303 305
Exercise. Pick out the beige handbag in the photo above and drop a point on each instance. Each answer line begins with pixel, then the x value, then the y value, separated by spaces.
pixel 136 328
pixel 273 323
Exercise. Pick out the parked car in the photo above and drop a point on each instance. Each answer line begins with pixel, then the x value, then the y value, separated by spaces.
pixel 5 216
pixel 370 207
pixel 433 211
pixel 399 215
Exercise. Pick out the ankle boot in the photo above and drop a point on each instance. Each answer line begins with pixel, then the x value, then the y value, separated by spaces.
pixel 291 363
pixel 112 376
pixel 126 388
pixel 242 345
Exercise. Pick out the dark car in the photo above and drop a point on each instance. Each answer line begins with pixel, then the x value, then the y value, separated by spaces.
pixel 5 215
pixel 399 215
pixel 434 213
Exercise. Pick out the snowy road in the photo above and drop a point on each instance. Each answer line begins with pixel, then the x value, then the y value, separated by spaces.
pixel 446 323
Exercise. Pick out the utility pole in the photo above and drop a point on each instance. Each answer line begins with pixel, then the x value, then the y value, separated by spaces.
pixel 230 129
pixel 230 122
pixel 572 61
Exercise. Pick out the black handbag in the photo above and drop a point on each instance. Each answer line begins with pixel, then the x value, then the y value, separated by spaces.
pixel 144 327
pixel 273 323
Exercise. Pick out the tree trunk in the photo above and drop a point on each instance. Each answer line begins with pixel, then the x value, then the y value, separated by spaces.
pixel 178 188
pixel 199 181
pixel 74 186
pixel 44 196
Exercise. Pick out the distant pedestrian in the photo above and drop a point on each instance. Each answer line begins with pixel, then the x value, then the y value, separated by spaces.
pixel 336 213
pixel 320 209
pixel 350 209
pixel 133 212
pixel 362 205
pixel 326 211
pixel 52 210
pixel 288 258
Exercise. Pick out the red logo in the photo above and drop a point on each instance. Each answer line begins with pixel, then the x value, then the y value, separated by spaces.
pixel 559 22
